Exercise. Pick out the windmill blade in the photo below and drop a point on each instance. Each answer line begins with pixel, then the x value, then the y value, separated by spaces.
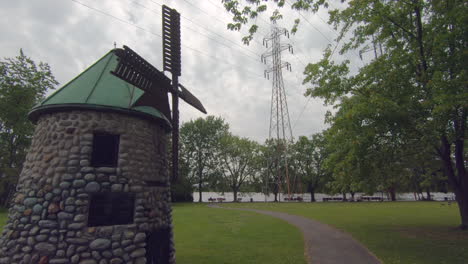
pixel 190 99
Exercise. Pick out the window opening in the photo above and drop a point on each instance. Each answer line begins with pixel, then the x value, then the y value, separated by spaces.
pixel 111 209
pixel 105 150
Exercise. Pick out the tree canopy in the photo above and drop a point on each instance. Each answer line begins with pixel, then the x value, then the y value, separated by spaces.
pixel 409 97
pixel 23 83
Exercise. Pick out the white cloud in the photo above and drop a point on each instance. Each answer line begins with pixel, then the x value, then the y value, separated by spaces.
pixel 70 37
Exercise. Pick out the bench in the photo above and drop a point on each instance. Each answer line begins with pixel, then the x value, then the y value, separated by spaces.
pixel 370 198
pixel 327 199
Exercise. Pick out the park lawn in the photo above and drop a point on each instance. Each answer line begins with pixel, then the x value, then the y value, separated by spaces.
pixel 3 218
pixel 213 235
pixel 396 232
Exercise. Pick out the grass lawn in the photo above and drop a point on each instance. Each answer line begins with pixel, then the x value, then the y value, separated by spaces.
pixel 3 218
pixel 397 232
pixel 211 235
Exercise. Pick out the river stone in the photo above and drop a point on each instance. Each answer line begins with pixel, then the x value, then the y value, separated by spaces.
pixel 92 187
pixel 138 253
pixel 37 209
pixel 88 261
pixel 79 183
pixel 47 224
pixel 64 185
pixel 140 237
pixel 64 216
pixel 45 248
pixel 100 244
pixel 116 261
pixel 30 201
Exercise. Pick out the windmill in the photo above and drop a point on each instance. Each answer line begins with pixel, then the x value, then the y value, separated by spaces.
pixel 137 71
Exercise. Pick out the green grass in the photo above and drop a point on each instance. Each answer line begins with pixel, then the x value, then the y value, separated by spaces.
pixel 211 235
pixel 397 232
pixel 3 218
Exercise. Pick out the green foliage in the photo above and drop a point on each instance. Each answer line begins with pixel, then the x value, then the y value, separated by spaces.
pixel 239 161
pixel 410 98
pixel 308 158
pixel 200 141
pixel 22 85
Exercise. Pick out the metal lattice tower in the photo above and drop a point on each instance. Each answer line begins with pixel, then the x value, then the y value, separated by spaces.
pixel 280 127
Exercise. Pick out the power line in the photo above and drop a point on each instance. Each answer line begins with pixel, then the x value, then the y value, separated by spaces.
pixel 119 19
pixel 302 112
pixel 217 41
pixel 158 35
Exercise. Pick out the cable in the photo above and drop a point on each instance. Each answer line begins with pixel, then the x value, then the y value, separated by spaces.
pixel 215 40
pixel 158 35
pixel 119 19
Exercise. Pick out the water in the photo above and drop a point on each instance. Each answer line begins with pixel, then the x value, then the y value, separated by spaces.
pixel 260 197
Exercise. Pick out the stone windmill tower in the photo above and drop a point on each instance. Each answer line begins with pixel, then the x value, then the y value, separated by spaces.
pixel 95 185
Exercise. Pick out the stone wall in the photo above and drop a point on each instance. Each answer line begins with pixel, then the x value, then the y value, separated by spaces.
pixel 48 220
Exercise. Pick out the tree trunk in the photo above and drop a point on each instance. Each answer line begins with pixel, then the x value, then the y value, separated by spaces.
pixel 200 180
pixel 200 192
pixel 344 197
pixel 312 195
pixel 352 195
pixel 234 191
pixel 428 193
pixel 392 193
pixel 463 207
pixel 460 183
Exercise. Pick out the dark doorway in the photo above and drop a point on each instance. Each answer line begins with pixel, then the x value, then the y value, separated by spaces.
pixel 158 246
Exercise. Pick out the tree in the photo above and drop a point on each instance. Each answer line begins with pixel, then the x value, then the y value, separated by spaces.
pixel 200 141
pixel 23 83
pixel 238 161
pixel 274 153
pixel 419 68
pixel 309 157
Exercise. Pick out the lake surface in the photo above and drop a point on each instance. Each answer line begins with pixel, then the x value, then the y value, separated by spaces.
pixel 260 197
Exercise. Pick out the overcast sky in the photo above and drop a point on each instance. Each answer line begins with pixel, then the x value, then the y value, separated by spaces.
pixel 224 74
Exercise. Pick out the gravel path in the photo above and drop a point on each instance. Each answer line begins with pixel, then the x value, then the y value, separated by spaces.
pixel 322 243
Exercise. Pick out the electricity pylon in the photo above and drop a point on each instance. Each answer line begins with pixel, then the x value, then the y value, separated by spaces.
pixel 280 127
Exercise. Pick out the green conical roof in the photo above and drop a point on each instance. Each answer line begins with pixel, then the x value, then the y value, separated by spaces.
pixel 96 88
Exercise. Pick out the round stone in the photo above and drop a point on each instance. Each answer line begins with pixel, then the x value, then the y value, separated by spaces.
pixel 64 185
pixel 64 216
pixel 116 261
pixel 92 187
pixel 30 201
pixel 47 224
pixel 78 183
pixel 79 218
pixel 90 177
pixel 140 237
pixel 138 253
pixel 45 248
pixel 37 209
pixel 116 187
pixel 53 208
pixel 100 244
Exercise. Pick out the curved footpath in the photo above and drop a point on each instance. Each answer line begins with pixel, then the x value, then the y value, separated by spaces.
pixel 322 243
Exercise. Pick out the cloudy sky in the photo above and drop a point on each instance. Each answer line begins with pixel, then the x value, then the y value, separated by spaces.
pixel 224 74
